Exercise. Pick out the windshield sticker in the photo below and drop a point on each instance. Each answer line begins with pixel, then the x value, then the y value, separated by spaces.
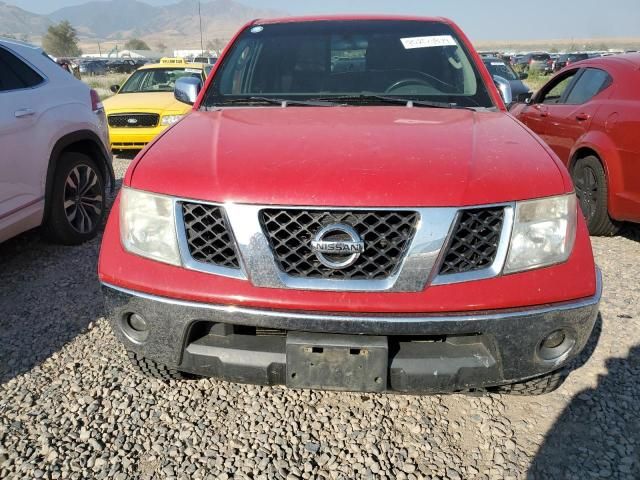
pixel 257 29
pixel 498 64
pixel 426 42
pixel 192 70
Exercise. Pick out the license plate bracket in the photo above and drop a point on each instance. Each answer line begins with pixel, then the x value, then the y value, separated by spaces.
pixel 337 362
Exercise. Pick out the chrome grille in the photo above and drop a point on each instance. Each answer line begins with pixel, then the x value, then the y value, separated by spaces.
pixel 208 235
pixel 387 236
pixel 474 243
pixel 134 120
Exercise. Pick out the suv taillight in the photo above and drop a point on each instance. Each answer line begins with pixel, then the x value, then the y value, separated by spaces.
pixel 96 104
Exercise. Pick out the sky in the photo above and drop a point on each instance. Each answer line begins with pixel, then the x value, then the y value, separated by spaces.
pixel 480 19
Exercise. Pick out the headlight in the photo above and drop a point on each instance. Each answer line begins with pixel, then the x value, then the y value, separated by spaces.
pixel 148 226
pixel 171 119
pixel 543 233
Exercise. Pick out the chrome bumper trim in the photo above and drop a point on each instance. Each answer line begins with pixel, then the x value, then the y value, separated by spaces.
pixel 252 316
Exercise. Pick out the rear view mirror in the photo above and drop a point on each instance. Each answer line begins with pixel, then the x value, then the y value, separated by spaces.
pixel 114 88
pixel 523 76
pixel 187 89
pixel 505 89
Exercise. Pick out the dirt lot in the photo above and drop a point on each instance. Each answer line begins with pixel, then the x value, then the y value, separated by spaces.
pixel 70 407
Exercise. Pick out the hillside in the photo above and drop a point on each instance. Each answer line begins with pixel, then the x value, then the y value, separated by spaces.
pixel 103 19
pixel 115 20
pixel 18 22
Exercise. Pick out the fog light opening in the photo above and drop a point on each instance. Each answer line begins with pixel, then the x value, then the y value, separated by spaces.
pixel 554 339
pixel 555 346
pixel 137 323
pixel 135 327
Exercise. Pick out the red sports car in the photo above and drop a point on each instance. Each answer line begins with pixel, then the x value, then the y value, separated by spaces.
pixel 589 114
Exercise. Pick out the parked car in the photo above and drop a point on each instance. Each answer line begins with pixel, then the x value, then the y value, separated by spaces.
pixel 589 115
pixel 498 67
pixel 515 60
pixel 541 62
pixel 534 62
pixel 144 106
pixel 54 165
pixel 350 230
pixel 206 60
pixel 567 59
pixel 124 65
pixel 97 67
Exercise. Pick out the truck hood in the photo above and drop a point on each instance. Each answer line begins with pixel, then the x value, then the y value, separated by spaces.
pixel 144 102
pixel 350 156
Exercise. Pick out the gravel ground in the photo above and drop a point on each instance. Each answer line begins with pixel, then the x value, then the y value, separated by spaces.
pixel 70 407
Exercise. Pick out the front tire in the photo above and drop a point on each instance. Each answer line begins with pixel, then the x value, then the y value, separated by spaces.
pixel 590 182
pixel 149 368
pixel 77 204
pixel 535 386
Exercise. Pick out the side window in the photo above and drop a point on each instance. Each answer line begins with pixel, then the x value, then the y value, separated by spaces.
pixel 553 93
pixel 15 74
pixel 590 83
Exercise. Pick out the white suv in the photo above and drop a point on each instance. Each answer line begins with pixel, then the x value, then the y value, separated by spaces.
pixel 54 163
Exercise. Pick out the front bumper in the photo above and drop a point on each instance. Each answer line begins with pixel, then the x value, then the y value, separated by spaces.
pixel 426 353
pixel 133 138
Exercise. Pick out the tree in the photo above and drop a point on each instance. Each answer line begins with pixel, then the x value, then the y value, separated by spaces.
pixel 61 40
pixel 136 44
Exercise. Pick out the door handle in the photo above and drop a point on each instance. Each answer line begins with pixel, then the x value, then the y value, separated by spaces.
pixel 581 117
pixel 24 112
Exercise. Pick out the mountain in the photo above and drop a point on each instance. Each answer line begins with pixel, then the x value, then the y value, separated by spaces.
pixel 118 20
pixel 102 19
pixel 172 24
pixel 18 22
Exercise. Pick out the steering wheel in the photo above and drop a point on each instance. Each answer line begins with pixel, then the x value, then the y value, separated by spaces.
pixel 407 82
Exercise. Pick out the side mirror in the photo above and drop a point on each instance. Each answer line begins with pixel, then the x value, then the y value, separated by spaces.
pixel 525 97
pixel 187 90
pixel 505 89
pixel 114 88
pixel 523 76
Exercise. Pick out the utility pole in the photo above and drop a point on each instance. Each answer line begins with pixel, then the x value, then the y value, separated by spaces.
pixel 201 40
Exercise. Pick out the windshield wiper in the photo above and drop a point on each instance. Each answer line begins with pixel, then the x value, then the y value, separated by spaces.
pixel 369 98
pixel 283 102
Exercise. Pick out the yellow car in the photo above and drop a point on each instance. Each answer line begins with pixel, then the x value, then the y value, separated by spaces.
pixel 145 106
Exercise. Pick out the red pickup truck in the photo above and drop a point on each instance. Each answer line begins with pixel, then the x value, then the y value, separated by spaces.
pixel 349 206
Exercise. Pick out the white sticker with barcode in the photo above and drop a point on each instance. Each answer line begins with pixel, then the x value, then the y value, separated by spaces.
pixel 498 64
pixel 427 42
pixel 192 70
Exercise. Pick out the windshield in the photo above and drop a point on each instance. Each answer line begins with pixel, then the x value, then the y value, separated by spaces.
pixel 157 79
pixel 497 67
pixel 339 59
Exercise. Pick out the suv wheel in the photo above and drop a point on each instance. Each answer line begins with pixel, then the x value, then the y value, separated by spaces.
pixel 591 188
pixel 77 205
